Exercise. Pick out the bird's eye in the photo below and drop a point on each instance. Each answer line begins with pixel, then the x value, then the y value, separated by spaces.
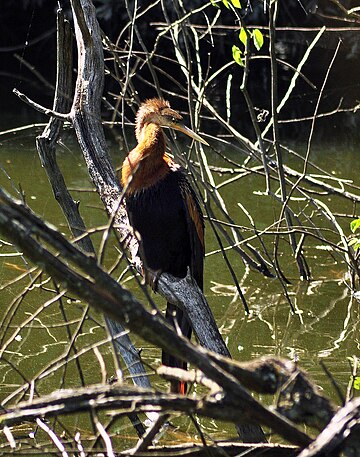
pixel 171 119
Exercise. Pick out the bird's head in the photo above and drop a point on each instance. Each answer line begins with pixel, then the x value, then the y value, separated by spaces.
pixel 158 111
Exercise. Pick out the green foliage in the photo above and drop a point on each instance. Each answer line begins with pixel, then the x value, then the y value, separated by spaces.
pixel 355 241
pixel 235 3
pixel 354 225
pixel 258 39
pixel 244 35
pixel 354 380
pixel 237 56
pixel 357 383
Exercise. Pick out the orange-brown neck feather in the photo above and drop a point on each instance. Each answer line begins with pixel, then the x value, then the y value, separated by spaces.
pixel 149 112
pixel 147 163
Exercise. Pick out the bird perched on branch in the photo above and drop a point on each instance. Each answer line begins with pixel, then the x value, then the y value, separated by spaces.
pixel 163 208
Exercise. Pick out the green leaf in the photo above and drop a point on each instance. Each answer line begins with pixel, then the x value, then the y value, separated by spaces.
pixel 243 36
pixel 214 3
pixel 357 383
pixel 258 39
pixel 355 243
pixel 226 3
pixel 354 225
pixel 236 52
pixel 236 3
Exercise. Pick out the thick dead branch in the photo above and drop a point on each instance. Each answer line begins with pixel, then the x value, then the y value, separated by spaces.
pixel 86 120
pixel 85 115
pixel 121 400
pixel 219 449
pixel 342 434
pixel 299 398
pixel 46 145
pixel 82 275
pixel 190 377
pixel 46 142
pixel 185 293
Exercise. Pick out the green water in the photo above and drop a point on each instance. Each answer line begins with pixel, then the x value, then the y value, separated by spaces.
pixel 325 326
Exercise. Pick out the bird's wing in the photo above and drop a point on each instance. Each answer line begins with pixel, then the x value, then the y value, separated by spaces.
pixel 195 224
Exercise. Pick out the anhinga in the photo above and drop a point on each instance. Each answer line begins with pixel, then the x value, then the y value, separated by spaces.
pixel 163 208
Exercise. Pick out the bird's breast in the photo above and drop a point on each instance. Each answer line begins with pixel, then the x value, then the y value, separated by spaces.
pixel 157 214
pixel 141 172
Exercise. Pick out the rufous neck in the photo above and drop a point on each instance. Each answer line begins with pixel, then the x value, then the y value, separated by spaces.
pixel 151 140
pixel 147 163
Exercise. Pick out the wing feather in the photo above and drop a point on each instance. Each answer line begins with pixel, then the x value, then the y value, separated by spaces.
pixel 195 225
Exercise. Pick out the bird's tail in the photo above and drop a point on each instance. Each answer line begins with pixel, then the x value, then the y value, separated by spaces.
pixel 178 319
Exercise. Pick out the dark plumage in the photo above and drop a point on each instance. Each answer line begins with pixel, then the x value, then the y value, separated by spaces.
pixel 163 207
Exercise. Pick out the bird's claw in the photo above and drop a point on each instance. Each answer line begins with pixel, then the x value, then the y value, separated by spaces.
pixel 152 278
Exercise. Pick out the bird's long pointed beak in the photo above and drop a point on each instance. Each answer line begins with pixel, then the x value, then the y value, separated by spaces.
pixel 190 133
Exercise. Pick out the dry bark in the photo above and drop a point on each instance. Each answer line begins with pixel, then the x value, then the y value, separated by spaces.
pixel 342 435
pixel 81 274
pixel 220 449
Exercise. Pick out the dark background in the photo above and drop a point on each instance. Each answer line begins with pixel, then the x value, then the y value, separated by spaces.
pixel 28 31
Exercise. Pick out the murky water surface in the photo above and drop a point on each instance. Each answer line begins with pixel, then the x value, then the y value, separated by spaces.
pixel 35 340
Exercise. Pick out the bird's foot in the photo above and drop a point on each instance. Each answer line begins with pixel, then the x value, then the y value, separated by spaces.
pixel 152 278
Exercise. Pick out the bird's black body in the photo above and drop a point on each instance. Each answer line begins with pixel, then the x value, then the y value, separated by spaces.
pixel 169 240
pixel 163 208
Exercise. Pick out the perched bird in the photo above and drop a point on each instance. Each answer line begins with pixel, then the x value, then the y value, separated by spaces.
pixel 163 208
